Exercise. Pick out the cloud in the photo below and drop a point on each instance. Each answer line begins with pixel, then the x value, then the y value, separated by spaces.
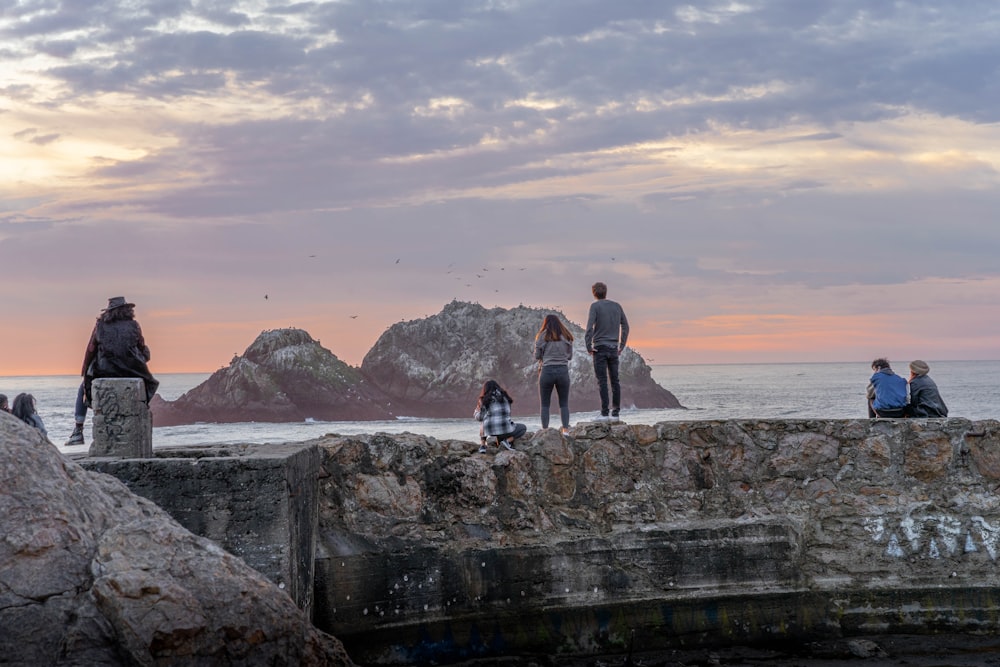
pixel 763 161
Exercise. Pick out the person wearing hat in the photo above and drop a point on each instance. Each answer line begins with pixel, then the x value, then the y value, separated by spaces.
pixel 886 391
pixel 925 399
pixel 116 349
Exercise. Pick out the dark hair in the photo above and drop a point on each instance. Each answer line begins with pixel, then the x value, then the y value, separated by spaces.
pixel 3 402
pixel 553 329
pixel 126 312
pixel 24 407
pixel 881 363
pixel 490 388
pixel 600 290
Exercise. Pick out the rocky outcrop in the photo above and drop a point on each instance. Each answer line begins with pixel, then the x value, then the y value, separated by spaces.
pixel 283 376
pixel 92 575
pixel 435 367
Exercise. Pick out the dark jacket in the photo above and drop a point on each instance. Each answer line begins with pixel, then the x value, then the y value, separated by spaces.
pixel 118 350
pixel 925 400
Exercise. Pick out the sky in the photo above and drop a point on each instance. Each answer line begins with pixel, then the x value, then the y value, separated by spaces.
pixel 758 181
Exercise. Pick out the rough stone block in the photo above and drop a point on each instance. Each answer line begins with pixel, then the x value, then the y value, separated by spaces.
pixel 258 502
pixel 123 425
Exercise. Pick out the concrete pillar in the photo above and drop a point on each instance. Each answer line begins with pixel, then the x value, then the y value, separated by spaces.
pixel 123 424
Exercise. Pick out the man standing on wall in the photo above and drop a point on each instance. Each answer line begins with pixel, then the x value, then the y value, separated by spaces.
pixel 604 323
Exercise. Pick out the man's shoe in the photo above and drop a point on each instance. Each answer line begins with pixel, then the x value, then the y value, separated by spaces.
pixel 76 438
pixel 564 431
pixel 482 449
pixel 506 445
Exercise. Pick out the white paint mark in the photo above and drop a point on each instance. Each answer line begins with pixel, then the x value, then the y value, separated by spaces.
pixel 875 525
pixel 989 534
pixel 894 549
pixel 911 531
pixel 970 545
pixel 932 550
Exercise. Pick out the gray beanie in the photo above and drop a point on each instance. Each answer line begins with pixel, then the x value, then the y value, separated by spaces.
pixel 919 367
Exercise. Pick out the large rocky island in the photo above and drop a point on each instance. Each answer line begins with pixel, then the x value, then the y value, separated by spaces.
pixel 431 367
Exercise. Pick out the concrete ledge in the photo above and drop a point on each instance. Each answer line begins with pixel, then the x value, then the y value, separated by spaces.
pixel 256 502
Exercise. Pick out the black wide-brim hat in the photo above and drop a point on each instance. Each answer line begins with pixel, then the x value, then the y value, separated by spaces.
pixel 117 302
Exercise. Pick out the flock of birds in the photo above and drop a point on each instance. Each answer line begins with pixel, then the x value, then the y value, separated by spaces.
pixel 450 269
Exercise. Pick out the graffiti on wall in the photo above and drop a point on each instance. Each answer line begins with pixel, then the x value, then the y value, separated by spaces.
pixel 934 535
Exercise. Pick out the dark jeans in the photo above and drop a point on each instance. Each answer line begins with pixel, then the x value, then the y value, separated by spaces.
pixel 893 413
pixel 558 377
pixel 605 366
pixel 519 430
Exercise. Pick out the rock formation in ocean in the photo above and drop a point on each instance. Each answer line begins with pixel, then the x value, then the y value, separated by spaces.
pixel 432 367
pixel 91 574
pixel 435 367
pixel 283 376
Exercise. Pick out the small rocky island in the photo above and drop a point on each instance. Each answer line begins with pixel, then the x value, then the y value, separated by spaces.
pixel 432 367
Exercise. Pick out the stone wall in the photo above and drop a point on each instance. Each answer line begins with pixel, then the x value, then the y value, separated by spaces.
pixel 674 535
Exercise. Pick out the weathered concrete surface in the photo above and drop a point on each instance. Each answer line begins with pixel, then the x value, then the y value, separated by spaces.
pixel 680 534
pixel 122 423
pixel 258 502
pixel 91 574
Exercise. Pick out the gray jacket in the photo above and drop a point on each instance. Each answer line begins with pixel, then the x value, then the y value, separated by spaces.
pixel 925 400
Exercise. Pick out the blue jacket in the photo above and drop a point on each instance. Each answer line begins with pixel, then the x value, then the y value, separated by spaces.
pixel 889 390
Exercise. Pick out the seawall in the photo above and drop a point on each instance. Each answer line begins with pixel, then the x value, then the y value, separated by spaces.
pixel 679 534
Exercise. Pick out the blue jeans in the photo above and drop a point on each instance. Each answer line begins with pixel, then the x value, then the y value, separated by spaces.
pixel 80 411
pixel 558 377
pixel 606 366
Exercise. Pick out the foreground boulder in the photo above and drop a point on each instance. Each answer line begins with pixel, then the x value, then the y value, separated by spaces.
pixel 435 367
pixel 283 376
pixel 92 574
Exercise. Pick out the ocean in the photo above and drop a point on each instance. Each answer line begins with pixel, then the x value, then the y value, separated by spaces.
pixel 708 391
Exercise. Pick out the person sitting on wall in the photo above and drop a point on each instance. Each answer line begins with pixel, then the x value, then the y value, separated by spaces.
pixel 886 391
pixel 116 350
pixel 925 400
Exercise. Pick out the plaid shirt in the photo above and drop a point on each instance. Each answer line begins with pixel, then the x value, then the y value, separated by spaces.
pixel 496 417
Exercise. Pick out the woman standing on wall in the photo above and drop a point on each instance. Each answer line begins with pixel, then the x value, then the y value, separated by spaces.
pixel 553 350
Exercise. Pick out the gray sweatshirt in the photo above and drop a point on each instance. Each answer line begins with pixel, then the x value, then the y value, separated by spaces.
pixel 553 352
pixel 603 324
